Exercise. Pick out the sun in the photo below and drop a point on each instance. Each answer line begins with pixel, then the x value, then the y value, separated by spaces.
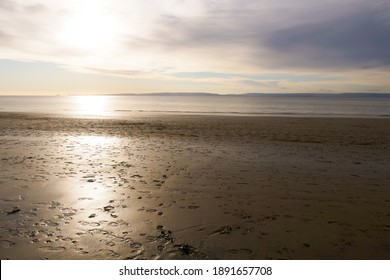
pixel 89 27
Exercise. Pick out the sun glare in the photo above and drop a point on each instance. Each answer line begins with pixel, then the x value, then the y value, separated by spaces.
pixel 89 27
pixel 91 105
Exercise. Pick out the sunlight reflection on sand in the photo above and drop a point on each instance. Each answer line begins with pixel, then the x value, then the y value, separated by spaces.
pixel 193 187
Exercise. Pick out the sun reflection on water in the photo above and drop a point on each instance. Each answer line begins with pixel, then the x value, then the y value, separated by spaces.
pixel 91 105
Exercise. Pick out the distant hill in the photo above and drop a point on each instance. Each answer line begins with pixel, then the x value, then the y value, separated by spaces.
pixel 355 95
pixel 169 94
pixel 347 95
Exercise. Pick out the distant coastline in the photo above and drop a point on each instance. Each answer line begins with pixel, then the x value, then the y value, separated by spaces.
pixel 205 94
pixel 354 95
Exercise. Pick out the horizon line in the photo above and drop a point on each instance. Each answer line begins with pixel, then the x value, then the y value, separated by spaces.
pixel 190 93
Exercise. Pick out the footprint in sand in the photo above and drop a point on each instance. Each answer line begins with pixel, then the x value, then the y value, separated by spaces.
pixel 240 251
pixel 81 251
pixel 108 208
pixel 50 223
pixel 6 243
pixel 13 211
pixel 52 249
pixel 225 230
pixel 92 224
pixel 109 253
pixel 85 198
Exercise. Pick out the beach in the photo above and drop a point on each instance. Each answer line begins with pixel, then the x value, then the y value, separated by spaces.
pixel 194 187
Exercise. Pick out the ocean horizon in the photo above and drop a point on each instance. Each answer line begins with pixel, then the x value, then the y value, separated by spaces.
pixel 322 105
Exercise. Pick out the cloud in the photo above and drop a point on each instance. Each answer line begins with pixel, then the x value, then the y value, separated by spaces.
pixel 7 5
pixel 117 72
pixel 325 36
pixel 260 84
pixel 202 39
pixel 3 36
pixel 355 40
pixel 35 8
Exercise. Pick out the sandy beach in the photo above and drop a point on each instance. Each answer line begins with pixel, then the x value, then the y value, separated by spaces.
pixel 194 187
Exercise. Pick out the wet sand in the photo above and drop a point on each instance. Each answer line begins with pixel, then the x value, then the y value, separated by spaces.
pixel 194 187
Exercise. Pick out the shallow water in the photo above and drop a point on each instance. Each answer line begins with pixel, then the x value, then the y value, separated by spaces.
pixel 122 106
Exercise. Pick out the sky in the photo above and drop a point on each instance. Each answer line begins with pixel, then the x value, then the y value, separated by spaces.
pixel 217 46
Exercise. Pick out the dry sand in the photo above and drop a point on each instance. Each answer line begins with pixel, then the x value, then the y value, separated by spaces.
pixel 194 187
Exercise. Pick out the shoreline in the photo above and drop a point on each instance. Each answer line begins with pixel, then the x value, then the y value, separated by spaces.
pixel 193 187
pixel 117 114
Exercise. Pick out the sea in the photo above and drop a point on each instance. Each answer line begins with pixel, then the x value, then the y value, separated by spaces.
pixel 237 105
